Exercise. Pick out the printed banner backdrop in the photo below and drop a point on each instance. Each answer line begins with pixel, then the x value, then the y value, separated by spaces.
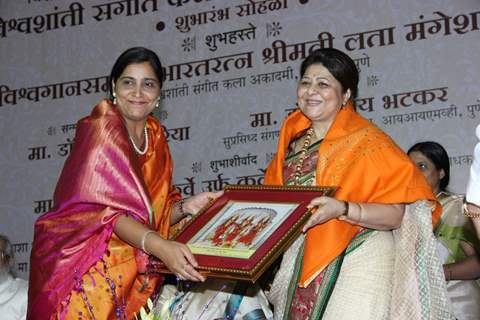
pixel 231 73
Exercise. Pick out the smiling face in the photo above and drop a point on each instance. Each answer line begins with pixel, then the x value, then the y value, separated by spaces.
pixel 137 91
pixel 319 95
pixel 431 173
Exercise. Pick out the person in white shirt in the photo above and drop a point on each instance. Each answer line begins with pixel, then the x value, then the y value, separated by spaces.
pixel 472 204
pixel 13 291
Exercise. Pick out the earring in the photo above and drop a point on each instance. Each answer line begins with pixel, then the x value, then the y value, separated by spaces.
pixel 157 105
pixel 442 174
pixel 114 98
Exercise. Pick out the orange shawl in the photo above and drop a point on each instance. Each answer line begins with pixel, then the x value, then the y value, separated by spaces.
pixel 367 166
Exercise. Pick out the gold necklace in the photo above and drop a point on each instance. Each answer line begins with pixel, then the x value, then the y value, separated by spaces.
pixel 303 152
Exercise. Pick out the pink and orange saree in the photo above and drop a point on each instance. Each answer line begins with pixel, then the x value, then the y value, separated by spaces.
pixel 79 267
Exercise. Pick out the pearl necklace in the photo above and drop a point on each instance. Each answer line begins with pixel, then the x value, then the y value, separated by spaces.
pixel 303 152
pixel 137 149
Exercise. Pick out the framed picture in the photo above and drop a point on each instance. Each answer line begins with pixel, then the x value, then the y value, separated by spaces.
pixel 240 234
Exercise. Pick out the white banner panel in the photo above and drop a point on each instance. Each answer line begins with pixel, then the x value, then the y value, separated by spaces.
pixel 231 72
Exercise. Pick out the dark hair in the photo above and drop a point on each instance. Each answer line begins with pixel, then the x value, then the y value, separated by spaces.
pixel 6 253
pixel 438 155
pixel 132 56
pixel 339 64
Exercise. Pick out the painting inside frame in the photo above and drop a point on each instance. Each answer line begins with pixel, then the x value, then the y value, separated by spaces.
pixel 239 228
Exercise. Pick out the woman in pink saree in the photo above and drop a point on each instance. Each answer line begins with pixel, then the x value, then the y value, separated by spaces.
pixel 114 205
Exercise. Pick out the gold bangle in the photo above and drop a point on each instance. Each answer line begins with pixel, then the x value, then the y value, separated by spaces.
pixel 469 213
pixel 144 237
pixel 344 214
pixel 347 207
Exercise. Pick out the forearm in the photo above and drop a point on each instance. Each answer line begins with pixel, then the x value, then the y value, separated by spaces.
pixel 192 205
pixel 176 256
pixel 134 233
pixel 375 216
pixel 467 269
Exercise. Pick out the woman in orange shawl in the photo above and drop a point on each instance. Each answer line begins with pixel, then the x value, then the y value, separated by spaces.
pixel 114 204
pixel 350 265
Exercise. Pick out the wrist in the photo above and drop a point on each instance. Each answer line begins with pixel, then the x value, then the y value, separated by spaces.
pixel 155 244
pixel 448 272
pixel 344 213
pixel 181 208
pixel 353 213
pixel 143 241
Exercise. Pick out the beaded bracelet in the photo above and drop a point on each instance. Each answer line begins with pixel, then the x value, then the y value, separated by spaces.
pixel 468 213
pixel 144 237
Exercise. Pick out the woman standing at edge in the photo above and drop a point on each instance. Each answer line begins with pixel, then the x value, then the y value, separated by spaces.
pixel 350 265
pixel 472 205
pixel 457 242
pixel 114 204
